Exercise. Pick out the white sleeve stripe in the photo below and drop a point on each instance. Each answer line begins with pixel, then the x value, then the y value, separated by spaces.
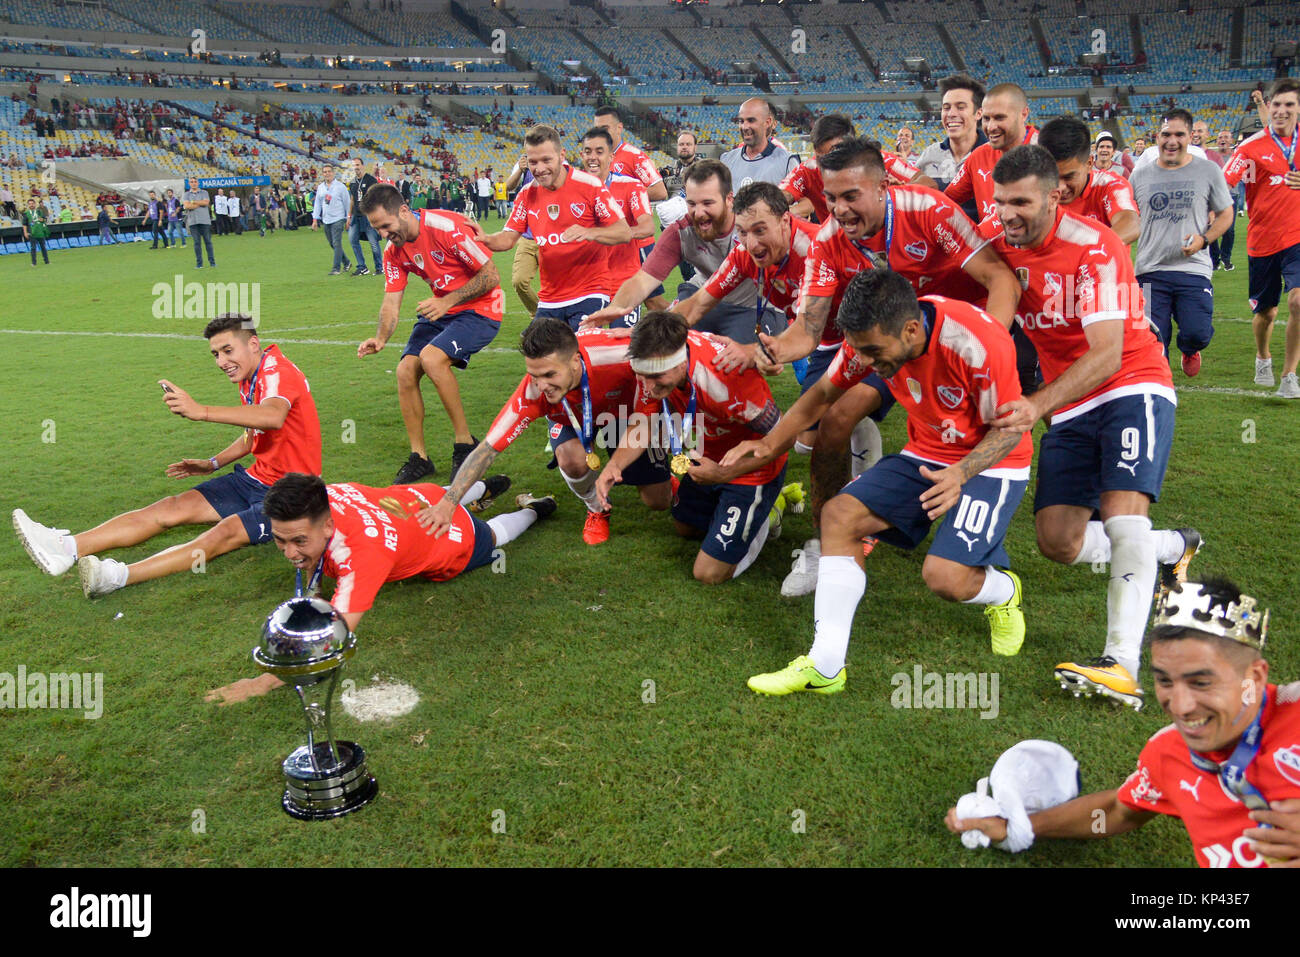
pixel 1103 316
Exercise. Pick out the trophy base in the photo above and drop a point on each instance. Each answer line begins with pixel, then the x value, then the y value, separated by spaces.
pixel 332 791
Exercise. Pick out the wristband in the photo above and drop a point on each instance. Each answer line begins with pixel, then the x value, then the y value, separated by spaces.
pixel 215 465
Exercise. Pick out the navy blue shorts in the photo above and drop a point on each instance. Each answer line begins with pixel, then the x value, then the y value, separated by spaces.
pixel 650 468
pixel 645 252
pixel 459 335
pixel 731 514
pixel 238 493
pixel 1268 273
pixel 574 312
pixel 1120 446
pixel 1183 296
pixel 972 531
pixel 821 360
pixel 483 545
pixel 736 323
pixel 626 321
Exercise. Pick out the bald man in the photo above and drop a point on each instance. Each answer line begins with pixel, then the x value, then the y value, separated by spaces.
pixel 759 159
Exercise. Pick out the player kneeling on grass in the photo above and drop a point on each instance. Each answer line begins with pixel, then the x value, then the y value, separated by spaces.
pixel 281 431
pixel 1213 682
pixel 682 395
pixel 579 382
pixel 949 364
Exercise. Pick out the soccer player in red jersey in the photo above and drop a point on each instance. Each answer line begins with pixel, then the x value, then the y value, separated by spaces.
pixel 1110 396
pixel 363 537
pixel 280 430
pixel 1267 163
pixel 1228 766
pixel 462 315
pixel 1105 197
pixel 627 159
pixel 584 385
pixel 1006 124
pixel 699 412
pixel 624 261
pixel 949 364
pixel 574 221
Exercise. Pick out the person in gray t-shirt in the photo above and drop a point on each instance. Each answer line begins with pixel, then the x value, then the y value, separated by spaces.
pixel 198 220
pixel 759 159
pixel 1184 205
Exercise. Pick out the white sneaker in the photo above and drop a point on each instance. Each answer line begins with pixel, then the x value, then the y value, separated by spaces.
pixel 43 544
pixel 1263 372
pixel 1290 387
pixel 99 576
pixel 802 579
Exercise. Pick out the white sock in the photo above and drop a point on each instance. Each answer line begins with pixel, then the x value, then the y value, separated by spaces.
pixel 866 446
pixel 585 488
pixel 755 547
pixel 115 573
pixel 997 588
pixel 473 493
pixel 1170 546
pixel 506 528
pixel 840 586
pixel 1132 584
pixel 69 544
pixel 801 449
pixel 1096 546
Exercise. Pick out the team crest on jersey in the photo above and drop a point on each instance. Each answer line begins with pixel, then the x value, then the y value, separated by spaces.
pixel 553 211
pixel 419 261
pixel 556 429
pixel 578 209
pixel 1051 283
pixel 914 388
pixel 780 286
pixel 1022 274
pixel 437 255
pixel 917 250
pixel 950 395
pixel 1288 762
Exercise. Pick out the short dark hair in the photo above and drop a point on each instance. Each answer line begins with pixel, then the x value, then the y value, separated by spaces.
pixel 832 126
pixel 855 151
pixel 598 132
pixel 1178 113
pixel 877 299
pixel 767 193
pixel 381 195
pixel 240 322
pixel 960 81
pixel 658 333
pixel 608 111
pixel 541 133
pixel 548 337
pixel 1284 85
pixel 296 495
pixel 1066 137
pixel 1223 593
pixel 703 170
pixel 1028 160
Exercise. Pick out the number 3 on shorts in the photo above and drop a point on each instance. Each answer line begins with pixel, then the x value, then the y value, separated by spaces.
pixel 733 519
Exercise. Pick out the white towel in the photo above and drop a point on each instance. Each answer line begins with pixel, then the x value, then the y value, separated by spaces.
pixel 1027 777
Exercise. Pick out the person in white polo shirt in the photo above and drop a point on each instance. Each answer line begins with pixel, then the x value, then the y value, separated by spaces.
pixel 331 211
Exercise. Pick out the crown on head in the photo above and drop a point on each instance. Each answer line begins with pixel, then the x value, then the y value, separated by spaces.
pixel 1188 605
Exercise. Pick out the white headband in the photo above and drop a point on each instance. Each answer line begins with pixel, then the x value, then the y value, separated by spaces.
pixel 654 366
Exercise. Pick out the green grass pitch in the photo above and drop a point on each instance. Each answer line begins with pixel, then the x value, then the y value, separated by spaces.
pixel 533 680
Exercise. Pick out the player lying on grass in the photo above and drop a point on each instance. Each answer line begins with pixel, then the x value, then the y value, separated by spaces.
pixel 1229 764
pixel 280 430
pixel 683 400
pixel 364 537
pixel 583 384
pixel 949 364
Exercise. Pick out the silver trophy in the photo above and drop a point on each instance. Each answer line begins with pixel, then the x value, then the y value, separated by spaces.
pixel 305 643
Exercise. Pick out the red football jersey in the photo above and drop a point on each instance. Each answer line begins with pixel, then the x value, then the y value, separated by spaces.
pixel 630 161
pixel 779 284
pixel 446 256
pixel 975 177
pixel 805 182
pixel 570 271
pixel 1274 206
pixel 295 446
pixel 1105 195
pixel 377 539
pixel 625 260
pixel 1167 782
pixel 898 171
pixel 952 390
pixel 730 407
pixel 610 381
pixel 831 263
pixel 1080 274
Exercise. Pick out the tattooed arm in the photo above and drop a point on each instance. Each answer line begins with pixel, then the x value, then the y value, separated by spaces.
pixel 436 519
pixel 946 491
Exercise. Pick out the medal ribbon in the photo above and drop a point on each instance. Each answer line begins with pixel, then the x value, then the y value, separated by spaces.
pixel 1287 154
pixel 873 257
pixel 675 442
pixel 1232 772
pixel 252 383
pixel 313 583
pixel 587 428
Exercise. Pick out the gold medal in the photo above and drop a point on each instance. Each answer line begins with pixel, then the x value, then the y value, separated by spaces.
pixel 680 464
pixel 593 461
